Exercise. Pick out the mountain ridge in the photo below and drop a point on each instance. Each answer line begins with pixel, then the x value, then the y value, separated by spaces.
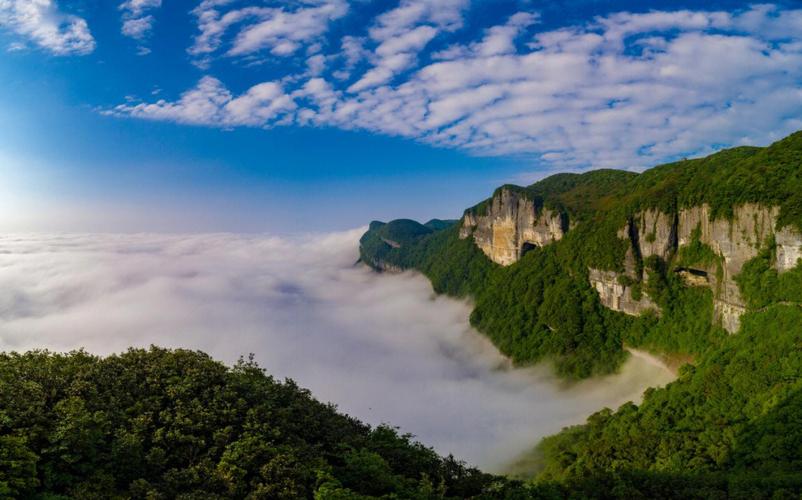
pixel 621 228
pixel 698 259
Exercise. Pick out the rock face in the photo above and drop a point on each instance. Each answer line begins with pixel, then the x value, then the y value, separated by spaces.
pixel 735 241
pixel 788 249
pixel 391 243
pixel 511 225
pixel 617 296
pixel 385 267
pixel 655 233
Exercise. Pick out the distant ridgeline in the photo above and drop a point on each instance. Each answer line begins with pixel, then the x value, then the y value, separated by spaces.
pixel 697 259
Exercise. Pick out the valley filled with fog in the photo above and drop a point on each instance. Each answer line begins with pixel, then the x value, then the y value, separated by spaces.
pixel 382 348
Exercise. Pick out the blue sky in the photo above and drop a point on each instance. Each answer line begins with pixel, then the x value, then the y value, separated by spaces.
pixel 293 116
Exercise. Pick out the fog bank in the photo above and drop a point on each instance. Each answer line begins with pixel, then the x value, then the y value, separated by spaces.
pixel 381 347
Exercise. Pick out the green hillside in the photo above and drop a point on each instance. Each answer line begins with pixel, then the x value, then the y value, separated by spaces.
pixel 579 195
pixel 176 424
pixel 735 412
pixel 543 306
pixel 152 424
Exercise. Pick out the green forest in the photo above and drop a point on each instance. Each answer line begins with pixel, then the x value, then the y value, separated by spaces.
pixel 734 415
pixel 543 307
pixel 176 424
pixel 158 423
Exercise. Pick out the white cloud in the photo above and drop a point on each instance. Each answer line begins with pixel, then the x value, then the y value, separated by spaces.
pixel 137 28
pixel 138 22
pixel 261 104
pixel 498 40
pixel 210 103
pixel 403 32
pixel 626 90
pixel 411 41
pixel 443 14
pixel 353 50
pixel 384 71
pixel 282 31
pixel 139 7
pixel 316 64
pixel 393 56
pixel 381 347
pixel 41 22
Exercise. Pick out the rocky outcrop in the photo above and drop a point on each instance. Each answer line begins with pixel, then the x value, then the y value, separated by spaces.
pixel 734 240
pixel 391 243
pixel 656 233
pixel 616 295
pixel 511 225
pixel 789 251
pixel 694 277
pixel 385 267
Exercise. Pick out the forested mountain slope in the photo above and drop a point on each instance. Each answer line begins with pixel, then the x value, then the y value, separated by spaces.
pixel 698 259
pixel 551 266
pixel 177 424
pixel 152 424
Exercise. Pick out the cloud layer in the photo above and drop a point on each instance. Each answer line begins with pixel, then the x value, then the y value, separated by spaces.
pixel 381 347
pixel 281 31
pixel 624 90
pixel 44 25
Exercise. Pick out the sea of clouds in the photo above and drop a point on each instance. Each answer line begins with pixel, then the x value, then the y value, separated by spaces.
pixel 381 347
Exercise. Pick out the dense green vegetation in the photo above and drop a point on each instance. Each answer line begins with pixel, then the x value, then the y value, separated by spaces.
pixel 736 412
pixel 770 176
pixel 175 424
pixel 578 195
pixel 454 266
pixel 543 306
pixel 165 424
pixel 540 308
pixel 730 425
pixel 763 285
pixel 698 255
pixel 438 224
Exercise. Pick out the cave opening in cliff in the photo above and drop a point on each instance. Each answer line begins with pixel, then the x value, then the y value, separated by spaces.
pixel 695 272
pixel 527 247
pixel 693 277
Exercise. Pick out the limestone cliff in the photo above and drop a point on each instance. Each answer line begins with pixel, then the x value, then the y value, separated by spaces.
pixel 616 294
pixel 734 241
pixel 510 225
pixel 689 246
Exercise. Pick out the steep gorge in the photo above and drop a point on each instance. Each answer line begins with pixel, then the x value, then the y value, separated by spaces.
pixel 698 260
pixel 666 248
